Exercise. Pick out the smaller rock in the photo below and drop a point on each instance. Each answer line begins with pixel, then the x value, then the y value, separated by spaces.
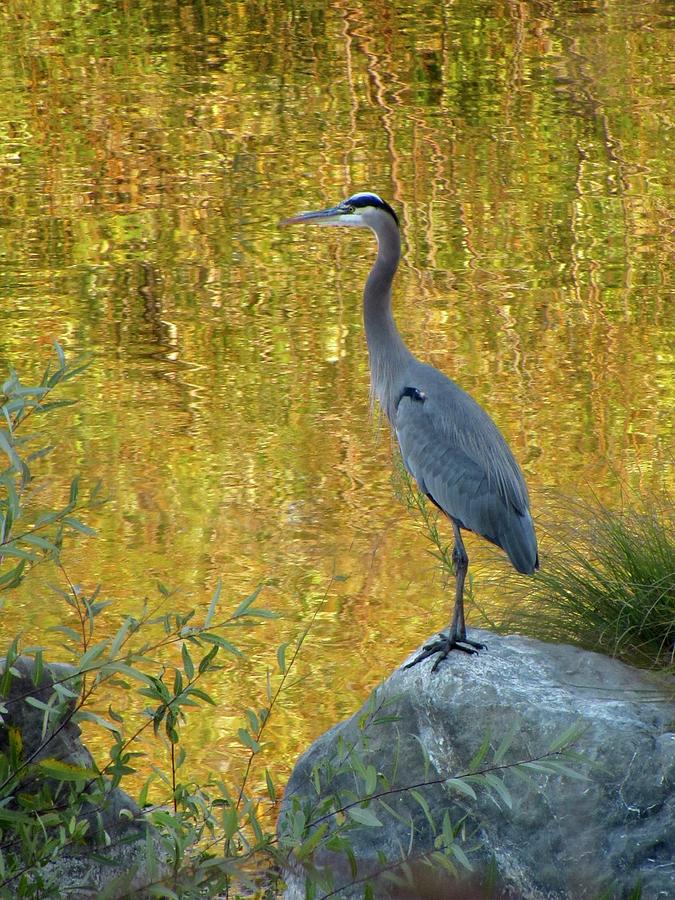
pixel 117 830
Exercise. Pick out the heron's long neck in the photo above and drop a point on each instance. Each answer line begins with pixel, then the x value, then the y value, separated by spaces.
pixel 388 354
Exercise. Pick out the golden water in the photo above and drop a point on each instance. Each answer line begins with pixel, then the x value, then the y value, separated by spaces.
pixel 147 152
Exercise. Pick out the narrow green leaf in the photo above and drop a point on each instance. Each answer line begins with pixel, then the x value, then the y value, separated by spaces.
pixel 202 695
pixel 248 740
pixel 281 657
pixel 39 454
pixel 206 661
pixel 11 383
pixel 499 787
pixel 561 769
pixel 55 404
pixel 38 667
pixel 425 808
pixel 358 765
pixel 271 790
pixel 14 406
pixel 459 785
pixel 307 847
pixel 36 541
pixel 230 821
pixel 506 742
pixel 65 595
pixel 14 817
pixel 253 722
pixel 119 668
pixel 145 790
pixel 246 603
pixel 161 891
pixel 442 860
pixel 12 550
pixel 569 736
pixel 119 638
pixel 73 373
pixel 84 715
pixel 213 604
pixel 47 518
pixel 57 768
pixel 461 857
pixel 255 827
pixel 188 665
pixel 74 523
pixel 538 767
pixel 448 833
pixel 92 655
pixel 38 704
pixel 259 612
pixel 480 754
pixel 115 716
pixel 218 641
pixel 6 445
pixel 363 816
pixel 298 823
pixel 30 391
pixel 371 779
pixel 68 631
pixel 13 577
pixel 60 354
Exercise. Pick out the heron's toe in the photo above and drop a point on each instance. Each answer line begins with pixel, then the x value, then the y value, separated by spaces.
pixel 476 644
pixel 442 646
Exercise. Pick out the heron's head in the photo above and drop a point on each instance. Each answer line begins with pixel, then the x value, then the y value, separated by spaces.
pixel 365 210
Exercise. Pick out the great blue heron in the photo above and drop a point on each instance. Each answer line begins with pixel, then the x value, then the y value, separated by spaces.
pixel 449 444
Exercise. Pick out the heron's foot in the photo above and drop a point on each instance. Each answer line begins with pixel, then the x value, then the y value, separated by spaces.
pixel 443 645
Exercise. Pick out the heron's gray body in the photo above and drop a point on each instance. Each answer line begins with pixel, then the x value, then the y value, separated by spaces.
pixel 449 444
pixel 459 458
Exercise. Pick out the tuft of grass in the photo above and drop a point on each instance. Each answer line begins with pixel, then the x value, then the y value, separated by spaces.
pixel 609 585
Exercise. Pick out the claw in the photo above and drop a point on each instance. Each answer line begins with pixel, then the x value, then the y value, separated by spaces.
pixel 443 646
pixel 476 644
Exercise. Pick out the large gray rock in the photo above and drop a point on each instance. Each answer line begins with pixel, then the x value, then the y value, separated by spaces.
pixel 113 857
pixel 601 835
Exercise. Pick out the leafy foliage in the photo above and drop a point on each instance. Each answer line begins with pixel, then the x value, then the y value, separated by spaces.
pixel 607 585
pixel 196 840
pixel 349 792
pixel 25 542
pixel 47 805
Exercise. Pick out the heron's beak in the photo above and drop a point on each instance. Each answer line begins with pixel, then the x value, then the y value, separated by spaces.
pixel 336 215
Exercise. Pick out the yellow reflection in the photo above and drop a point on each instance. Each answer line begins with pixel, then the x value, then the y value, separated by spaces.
pixel 145 159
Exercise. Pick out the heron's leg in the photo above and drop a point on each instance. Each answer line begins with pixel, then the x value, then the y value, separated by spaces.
pixel 456 639
pixel 460 561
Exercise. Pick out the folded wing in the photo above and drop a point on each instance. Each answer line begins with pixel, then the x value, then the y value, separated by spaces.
pixel 460 459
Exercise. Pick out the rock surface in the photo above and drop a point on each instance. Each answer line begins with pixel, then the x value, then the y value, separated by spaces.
pixel 599 835
pixel 120 861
